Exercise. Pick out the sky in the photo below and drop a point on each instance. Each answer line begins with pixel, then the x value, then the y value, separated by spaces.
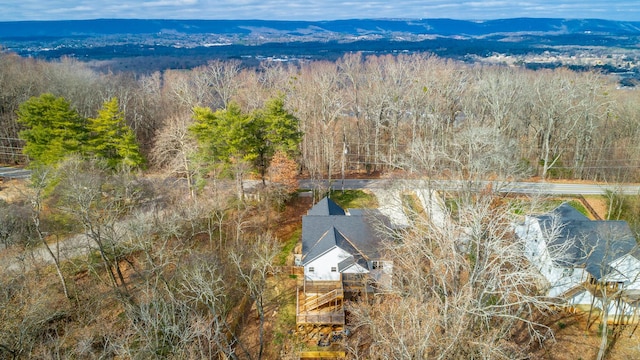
pixel 10 10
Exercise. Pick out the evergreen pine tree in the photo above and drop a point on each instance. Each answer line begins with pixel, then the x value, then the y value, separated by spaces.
pixel 111 138
pixel 52 129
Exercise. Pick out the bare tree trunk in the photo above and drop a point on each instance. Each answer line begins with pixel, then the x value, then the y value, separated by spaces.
pixel 253 271
pixel 602 349
pixel 42 179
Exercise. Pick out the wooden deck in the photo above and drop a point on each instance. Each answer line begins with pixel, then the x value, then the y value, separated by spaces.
pixel 321 304
pixel 320 287
pixel 332 318
pixel 332 298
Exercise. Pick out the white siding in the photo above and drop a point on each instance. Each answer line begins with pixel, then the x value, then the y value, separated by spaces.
pixel 565 279
pixel 560 279
pixel 382 276
pixel 535 247
pixel 323 264
pixel 627 271
pixel 582 298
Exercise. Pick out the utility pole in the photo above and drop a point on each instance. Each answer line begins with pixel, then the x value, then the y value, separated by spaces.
pixel 344 156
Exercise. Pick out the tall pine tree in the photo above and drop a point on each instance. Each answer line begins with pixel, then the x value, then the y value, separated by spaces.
pixel 111 138
pixel 277 130
pixel 229 134
pixel 224 134
pixel 52 129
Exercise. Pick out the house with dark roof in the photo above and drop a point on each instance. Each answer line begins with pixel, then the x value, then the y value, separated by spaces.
pixel 585 262
pixel 338 243
pixel 341 255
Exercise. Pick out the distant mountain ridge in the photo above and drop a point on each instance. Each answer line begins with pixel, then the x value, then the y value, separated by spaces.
pixel 145 46
pixel 355 27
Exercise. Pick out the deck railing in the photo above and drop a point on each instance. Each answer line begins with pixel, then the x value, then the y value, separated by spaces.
pixel 321 318
pixel 320 287
pixel 316 302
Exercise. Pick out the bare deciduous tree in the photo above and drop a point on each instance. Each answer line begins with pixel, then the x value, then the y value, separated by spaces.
pixel 175 150
pixel 462 289
pixel 99 200
pixel 253 271
pixel 41 179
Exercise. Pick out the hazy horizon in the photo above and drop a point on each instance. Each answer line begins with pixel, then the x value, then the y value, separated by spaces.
pixel 316 10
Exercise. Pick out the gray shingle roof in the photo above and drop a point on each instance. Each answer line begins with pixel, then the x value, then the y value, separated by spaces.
pixel 593 244
pixel 348 262
pixel 326 226
pixel 326 207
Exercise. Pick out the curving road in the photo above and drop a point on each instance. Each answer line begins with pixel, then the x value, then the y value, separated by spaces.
pixel 14 173
pixel 453 185
pixel 550 188
pixel 80 244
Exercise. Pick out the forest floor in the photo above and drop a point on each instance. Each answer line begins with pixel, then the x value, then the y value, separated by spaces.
pixel 572 340
pixel 280 340
pixel 12 190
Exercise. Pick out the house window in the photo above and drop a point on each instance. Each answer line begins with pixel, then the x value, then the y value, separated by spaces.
pixel 567 272
pixel 376 265
pixel 334 269
pixel 311 269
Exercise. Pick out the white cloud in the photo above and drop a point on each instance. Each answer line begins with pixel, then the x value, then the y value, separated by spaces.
pixel 316 9
pixel 169 3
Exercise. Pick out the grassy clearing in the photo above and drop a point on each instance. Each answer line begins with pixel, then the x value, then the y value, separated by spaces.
pixel 574 203
pixel 286 319
pixel 288 247
pixel 354 199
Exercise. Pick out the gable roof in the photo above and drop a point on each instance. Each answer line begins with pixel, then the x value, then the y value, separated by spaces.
pixel 592 244
pixel 327 226
pixel 326 207
pixel 353 261
pixel 331 239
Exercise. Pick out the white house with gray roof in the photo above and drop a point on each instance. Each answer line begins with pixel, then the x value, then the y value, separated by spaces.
pixel 582 258
pixel 339 244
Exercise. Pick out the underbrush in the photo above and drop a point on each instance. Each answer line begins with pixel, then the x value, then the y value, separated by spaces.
pixel 624 207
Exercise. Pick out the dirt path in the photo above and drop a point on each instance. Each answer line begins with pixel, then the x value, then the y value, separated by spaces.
pixel 598 204
pixel 71 247
pixel 12 190
pixel 66 249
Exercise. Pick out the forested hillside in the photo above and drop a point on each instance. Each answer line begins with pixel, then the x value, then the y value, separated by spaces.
pixel 371 113
pixel 138 235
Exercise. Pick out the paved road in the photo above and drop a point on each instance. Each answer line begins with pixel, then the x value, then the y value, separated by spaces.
pixel 80 244
pixel 14 173
pixel 452 185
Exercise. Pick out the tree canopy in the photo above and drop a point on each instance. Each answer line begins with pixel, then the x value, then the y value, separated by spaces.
pixel 111 138
pixel 54 130
pixel 227 134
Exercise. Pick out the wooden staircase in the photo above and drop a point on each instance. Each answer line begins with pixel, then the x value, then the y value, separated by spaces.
pixel 317 301
pixel 572 292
